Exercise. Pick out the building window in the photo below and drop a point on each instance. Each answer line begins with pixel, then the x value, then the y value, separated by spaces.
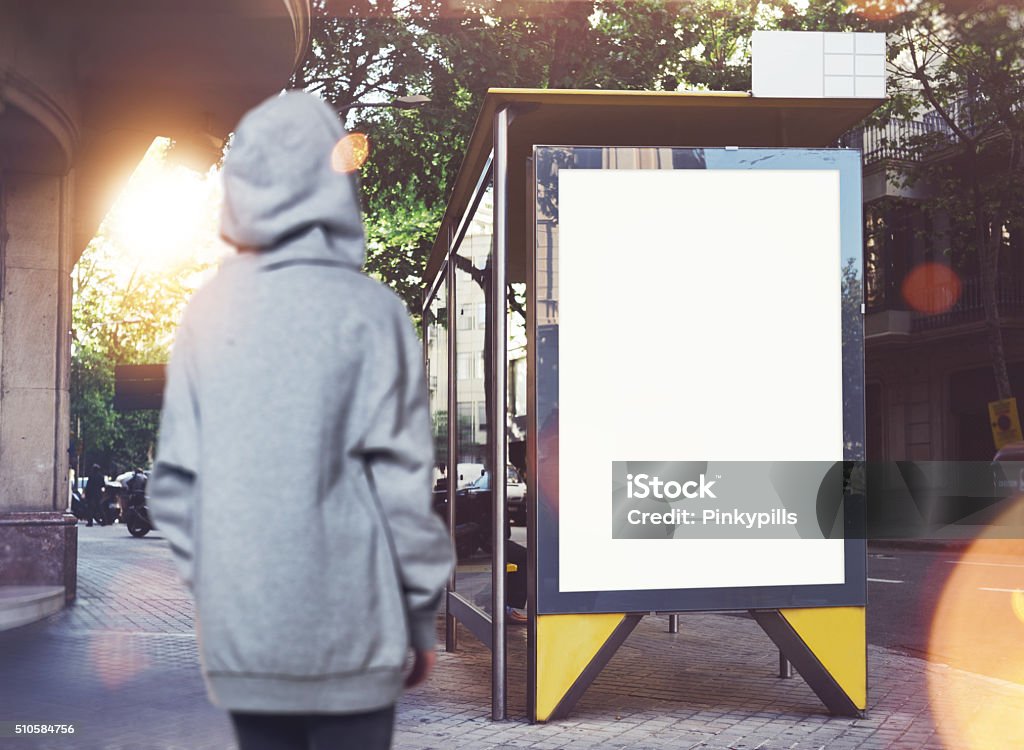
pixel 466 423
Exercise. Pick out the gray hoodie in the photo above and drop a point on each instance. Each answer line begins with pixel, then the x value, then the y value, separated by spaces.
pixel 293 472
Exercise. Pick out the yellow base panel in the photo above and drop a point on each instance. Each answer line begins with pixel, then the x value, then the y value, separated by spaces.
pixel 838 638
pixel 566 644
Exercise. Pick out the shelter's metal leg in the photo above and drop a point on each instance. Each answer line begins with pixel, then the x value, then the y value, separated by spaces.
pixel 673 623
pixel 807 663
pixel 785 668
pixel 451 633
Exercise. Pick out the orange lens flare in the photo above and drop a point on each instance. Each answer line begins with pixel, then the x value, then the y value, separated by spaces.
pixel 931 288
pixel 117 659
pixel 350 153
pixel 1017 604
pixel 976 678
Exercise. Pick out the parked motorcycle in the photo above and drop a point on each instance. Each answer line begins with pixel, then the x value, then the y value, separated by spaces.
pixel 78 507
pixel 136 514
pixel 109 510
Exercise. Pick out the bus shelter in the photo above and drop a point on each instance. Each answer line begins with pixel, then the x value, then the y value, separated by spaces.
pixel 643 312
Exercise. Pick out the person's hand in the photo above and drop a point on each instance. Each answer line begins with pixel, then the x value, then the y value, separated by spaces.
pixel 421 668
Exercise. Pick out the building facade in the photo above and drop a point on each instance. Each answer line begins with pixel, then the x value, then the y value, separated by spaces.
pixel 929 366
pixel 85 87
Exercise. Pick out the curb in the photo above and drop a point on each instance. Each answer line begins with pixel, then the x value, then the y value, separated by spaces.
pixel 939 545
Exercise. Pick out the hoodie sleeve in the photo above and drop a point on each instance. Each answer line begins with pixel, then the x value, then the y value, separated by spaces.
pixel 173 484
pixel 397 449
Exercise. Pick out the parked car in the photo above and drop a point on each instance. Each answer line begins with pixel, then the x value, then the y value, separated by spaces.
pixel 515 497
pixel 472 519
pixel 1008 470
pixel 474 509
pixel 515 493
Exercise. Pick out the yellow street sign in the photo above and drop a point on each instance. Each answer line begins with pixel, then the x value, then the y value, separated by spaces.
pixel 1005 422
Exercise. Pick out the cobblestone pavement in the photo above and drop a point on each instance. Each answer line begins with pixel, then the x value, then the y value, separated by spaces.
pixel 121 665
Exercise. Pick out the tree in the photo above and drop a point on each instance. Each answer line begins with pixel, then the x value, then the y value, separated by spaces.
pixel 118 323
pixel 455 54
pixel 379 49
pixel 362 49
pixel 129 289
pixel 967 67
pixel 715 38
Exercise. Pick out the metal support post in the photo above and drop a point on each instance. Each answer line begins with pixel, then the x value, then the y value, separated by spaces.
pixel 499 365
pixel 785 668
pixel 451 633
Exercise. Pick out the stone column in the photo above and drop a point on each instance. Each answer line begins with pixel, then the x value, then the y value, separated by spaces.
pixel 38 538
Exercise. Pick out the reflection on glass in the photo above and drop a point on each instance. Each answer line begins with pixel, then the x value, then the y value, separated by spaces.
pixel 474 513
pixel 517 502
pixel 436 333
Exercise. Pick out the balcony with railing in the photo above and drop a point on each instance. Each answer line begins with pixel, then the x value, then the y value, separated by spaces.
pixel 896 139
pixel 903 139
pixel 970 306
pixel 948 308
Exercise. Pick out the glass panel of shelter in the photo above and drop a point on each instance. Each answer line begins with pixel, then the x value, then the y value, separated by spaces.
pixel 517 499
pixel 436 348
pixel 473 413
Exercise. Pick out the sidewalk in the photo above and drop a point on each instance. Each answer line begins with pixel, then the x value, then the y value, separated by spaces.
pixel 121 666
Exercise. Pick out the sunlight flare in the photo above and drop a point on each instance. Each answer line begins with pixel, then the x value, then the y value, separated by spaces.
pixel 166 215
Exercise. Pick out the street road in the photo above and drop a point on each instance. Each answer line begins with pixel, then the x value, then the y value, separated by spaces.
pixel 962 609
pixel 948 607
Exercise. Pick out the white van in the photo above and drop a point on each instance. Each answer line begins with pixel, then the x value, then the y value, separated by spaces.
pixel 469 473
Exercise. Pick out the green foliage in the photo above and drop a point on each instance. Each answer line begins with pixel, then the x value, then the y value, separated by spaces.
pixel 127 303
pixel 374 50
pixel 119 322
pixel 851 291
pixel 715 41
pixel 439 420
pixel 826 15
pixel 371 51
pixel 92 394
pixel 396 244
pixel 967 67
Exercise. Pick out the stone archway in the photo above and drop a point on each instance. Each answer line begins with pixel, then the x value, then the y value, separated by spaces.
pixel 85 86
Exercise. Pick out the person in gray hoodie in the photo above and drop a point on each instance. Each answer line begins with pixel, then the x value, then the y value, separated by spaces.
pixel 292 477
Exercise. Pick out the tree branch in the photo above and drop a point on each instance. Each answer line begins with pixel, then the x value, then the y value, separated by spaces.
pixel 929 96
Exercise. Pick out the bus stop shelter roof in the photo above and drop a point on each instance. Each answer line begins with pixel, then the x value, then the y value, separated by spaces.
pixel 631 118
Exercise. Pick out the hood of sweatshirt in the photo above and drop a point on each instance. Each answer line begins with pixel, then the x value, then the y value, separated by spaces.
pixel 280 184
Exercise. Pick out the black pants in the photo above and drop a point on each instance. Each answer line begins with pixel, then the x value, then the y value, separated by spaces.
pixel 92 509
pixel 367 731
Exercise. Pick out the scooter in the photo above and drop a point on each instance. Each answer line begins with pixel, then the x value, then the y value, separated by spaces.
pixel 109 511
pixel 136 514
pixel 78 507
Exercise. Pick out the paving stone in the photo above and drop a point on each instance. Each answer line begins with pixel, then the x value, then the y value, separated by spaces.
pixel 122 666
